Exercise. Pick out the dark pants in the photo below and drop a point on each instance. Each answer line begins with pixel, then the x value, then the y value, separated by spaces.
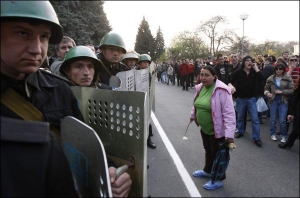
pixel 191 79
pixel 159 75
pixel 178 80
pixel 295 132
pixel 185 82
pixel 210 144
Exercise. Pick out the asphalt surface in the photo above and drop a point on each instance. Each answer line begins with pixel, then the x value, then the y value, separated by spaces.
pixel 266 171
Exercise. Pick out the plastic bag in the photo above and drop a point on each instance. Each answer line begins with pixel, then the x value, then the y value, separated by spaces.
pixel 261 105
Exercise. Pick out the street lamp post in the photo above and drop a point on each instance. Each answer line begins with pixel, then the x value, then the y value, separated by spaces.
pixel 243 17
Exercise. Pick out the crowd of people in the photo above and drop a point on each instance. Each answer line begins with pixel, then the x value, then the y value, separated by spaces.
pixel 227 92
pixel 273 79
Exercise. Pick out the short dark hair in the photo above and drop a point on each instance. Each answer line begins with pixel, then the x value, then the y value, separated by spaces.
pixel 219 55
pixel 65 39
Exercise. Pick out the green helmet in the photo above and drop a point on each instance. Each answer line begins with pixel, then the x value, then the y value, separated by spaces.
pixel 130 55
pixel 39 10
pixel 144 57
pixel 113 39
pixel 79 53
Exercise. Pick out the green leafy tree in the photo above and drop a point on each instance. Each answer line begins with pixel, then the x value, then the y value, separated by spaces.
pixel 145 43
pixel 159 44
pixel 84 21
pixel 187 45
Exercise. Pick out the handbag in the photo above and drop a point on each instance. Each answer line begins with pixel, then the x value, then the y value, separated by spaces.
pixel 261 105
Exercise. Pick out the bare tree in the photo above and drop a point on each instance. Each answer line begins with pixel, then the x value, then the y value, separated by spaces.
pixel 219 39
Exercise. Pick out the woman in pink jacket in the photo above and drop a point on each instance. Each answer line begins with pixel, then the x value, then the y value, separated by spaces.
pixel 213 110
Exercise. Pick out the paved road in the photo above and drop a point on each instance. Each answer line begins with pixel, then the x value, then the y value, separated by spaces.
pixel 253 172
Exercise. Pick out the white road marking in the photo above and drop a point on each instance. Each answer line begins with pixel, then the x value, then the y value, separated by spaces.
pixel 187 180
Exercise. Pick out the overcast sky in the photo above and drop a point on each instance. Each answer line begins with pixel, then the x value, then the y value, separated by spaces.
pixel 268 20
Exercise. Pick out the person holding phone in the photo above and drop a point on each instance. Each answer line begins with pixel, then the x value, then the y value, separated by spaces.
pixel 245 81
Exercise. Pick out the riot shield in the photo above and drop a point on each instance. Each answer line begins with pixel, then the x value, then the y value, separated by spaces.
pixel 152 87
pixel 120 118
pixel 87 158
pixel 127 80
pixel 114 82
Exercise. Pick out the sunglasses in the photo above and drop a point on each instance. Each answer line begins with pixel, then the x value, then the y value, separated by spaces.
pixel 293 60
pixel 279 68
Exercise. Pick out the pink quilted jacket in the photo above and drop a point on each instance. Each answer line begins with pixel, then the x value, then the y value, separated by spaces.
pixel 222 110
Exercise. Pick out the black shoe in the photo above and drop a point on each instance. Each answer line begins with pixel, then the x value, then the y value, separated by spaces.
pixel 150 144
pixel 238 135
pixel 187 89
pixel 258 142
pixel 147 166
pixel 285 145
pixel 261 122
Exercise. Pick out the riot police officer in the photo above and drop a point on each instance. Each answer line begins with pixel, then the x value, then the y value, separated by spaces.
pixel 112 48
pixel 143 63
pixel 28 93
pixel 81 66
pixel 130 59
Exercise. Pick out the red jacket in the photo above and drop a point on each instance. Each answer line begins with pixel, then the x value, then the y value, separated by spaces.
pixel 191 69
pixel 184 69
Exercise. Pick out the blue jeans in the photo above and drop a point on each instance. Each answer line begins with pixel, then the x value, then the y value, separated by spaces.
pixel 277 106
pixel 242 104
pixel 164 77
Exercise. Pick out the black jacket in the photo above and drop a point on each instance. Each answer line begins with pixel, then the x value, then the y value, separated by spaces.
pixel 247 85
pixel 224 72
pixel 104 75
pixel 49 93
pixel 33 163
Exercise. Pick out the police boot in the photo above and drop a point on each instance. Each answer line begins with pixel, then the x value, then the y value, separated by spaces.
pixel 150 143
pixel 150 130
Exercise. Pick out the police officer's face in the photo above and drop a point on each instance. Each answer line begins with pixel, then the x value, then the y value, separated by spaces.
pixel 23 48
pixel 63 49
pixel 144 64
pixel 130 62
pixel 81 72
pixel 112 54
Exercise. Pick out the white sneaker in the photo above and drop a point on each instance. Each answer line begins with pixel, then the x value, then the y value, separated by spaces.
pixel 273 137
pixel 283 140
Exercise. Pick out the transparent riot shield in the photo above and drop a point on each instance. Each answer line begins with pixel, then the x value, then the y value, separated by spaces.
pixel 152 87
pixel 127 80
pixel 87 158
pixel 142 84
pixel 114 82
pixel 120 118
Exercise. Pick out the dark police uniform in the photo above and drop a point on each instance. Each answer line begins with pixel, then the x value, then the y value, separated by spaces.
pixel 49 93
pixel 33 163
pixel 105 75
